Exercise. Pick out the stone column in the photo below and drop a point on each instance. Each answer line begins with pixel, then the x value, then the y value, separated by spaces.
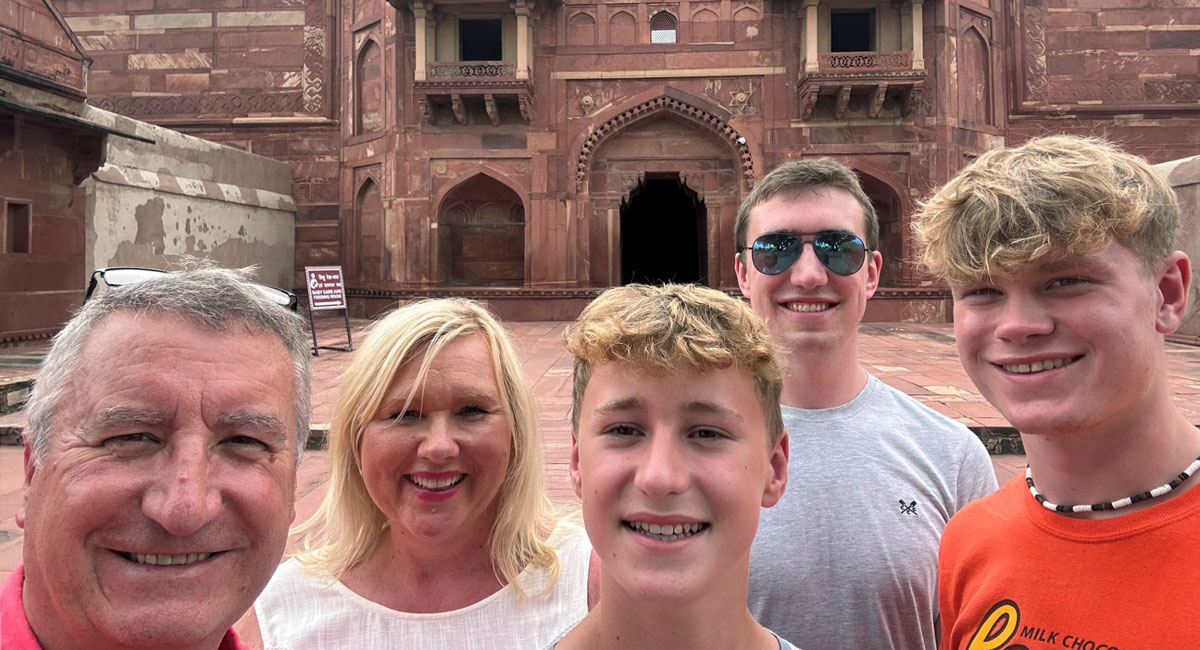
pixel 918 35
pixel 522 11
pixel 419 10
pixel 810 36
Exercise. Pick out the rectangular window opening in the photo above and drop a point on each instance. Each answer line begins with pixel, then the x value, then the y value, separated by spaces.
pixel 16 227
pixel 852 30
pixel 481 40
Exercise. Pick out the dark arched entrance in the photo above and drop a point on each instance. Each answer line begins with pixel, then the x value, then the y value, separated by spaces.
pixel 663 232
pixel 891 231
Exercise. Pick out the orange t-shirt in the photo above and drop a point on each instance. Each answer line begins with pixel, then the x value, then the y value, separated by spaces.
pixel 1013 575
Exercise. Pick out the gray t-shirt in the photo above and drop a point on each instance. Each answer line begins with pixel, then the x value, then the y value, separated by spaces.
pixel 848 557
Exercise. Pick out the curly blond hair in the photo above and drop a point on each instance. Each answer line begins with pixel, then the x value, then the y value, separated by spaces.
pixel 1063 194
pixel 662 328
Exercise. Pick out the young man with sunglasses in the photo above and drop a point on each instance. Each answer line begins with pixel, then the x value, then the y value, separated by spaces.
pixel 1061 256
pixel 848 558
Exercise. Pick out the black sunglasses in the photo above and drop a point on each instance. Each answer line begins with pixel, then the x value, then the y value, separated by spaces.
pixel 840 251
pixel 115 276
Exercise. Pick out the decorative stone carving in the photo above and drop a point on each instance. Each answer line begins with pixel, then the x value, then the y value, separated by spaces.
pixel 1070 92
pixel 736 95
pixel 1172 92
pixel 864 61
pixel 313 71
pixel 591 97
pixel 158 105
pixel 1034 45
pixel 471 70
pixel 696 115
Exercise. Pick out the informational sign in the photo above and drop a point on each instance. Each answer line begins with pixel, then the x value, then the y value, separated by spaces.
pixel 326 290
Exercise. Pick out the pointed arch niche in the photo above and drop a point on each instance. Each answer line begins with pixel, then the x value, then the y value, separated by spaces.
pixel 974 78
pixel 481 234
pixel 368 219
pixel 678 144
pixel 889 210
pixel 368 88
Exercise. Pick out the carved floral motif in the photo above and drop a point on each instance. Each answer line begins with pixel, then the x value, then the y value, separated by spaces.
pixel 864 61
pixel 1034 18
pixel 470 70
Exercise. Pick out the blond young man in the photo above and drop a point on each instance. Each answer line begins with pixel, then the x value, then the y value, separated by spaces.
pixel 848 558
pixel 1061 257
pixel 677 445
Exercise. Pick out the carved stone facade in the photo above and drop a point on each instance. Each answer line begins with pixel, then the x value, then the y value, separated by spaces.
pixel 510 148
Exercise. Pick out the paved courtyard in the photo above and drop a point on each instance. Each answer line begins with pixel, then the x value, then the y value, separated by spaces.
pixel 919 359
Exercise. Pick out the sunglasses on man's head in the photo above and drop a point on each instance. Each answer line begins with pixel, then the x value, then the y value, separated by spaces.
pixel 840 251
pixel 118 276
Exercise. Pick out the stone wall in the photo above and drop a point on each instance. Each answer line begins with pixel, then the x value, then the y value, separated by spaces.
pixel 42 277
pixel 255 75
pixel 1184 177
pixel 152 204
pixel 1125 70
pixel 45 151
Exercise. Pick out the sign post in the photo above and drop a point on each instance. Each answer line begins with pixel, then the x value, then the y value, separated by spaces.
pixel 326 291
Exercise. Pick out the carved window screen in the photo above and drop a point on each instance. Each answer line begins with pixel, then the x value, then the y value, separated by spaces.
pixel 663 28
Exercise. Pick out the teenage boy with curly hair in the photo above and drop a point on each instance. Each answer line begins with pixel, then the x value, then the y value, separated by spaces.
pixel 678 443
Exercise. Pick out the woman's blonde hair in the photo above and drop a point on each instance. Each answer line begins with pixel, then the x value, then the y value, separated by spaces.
pixel 348 525
pixel 1062 194
pixel 661 329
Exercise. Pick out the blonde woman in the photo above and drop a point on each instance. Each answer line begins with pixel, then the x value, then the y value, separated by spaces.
pixel 436 531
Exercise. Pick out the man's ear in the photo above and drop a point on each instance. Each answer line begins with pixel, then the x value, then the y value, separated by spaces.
pixel 739 268
pixel 573 467
pixel 30 468
pixel 777 481
pixel 874 266
pixel 1174 281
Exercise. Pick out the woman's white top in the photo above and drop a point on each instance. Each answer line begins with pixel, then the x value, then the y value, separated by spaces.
pixel 301 611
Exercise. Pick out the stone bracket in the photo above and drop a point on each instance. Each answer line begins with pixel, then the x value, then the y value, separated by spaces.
pixel 877 95
pixel 456 103
pixel 489 103
pixel 843 100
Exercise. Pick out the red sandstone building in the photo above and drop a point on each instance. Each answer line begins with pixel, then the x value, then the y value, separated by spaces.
pixel 532 151
pixel 46 150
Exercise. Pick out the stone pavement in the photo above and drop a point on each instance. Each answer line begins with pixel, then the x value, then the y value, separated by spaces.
pixel 919 359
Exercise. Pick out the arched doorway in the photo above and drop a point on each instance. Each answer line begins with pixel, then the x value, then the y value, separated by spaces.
pixel 482 234
pixel 664 232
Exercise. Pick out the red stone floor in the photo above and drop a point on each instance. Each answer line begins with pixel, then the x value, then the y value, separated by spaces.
pixel 919 359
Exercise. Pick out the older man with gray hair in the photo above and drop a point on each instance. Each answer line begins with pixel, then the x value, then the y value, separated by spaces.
pixel 165 428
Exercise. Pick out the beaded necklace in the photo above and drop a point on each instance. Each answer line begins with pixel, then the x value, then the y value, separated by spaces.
pixel 1112 505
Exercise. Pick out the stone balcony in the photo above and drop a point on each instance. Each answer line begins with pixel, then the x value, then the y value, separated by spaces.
pixel 876 81
pixel 454 83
